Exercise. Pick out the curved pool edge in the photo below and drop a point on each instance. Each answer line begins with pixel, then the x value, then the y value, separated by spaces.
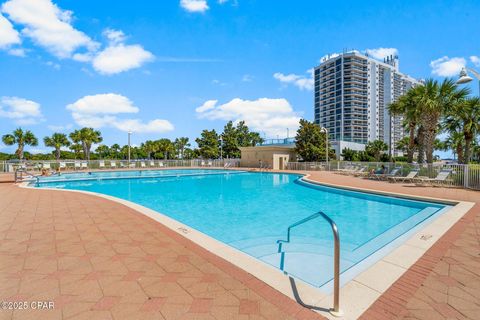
pixel 359 292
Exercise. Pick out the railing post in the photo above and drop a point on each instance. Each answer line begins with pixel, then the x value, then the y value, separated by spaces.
pixel 465 175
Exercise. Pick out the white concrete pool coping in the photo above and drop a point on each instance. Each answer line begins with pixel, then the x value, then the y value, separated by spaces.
pixel 357 294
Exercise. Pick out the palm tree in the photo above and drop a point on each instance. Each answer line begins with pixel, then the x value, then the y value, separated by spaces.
pixel 149 147
pixel 375 148
pixel 103 151
pixel 406 106
pixel 21 139
pixel 57 141
pixel 434 100
pixel 464 117
pixel 455 143
pixel 86 137
pixel 180 144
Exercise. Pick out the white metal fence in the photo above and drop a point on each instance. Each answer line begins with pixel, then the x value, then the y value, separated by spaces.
pixel 467 176
pixel 69 165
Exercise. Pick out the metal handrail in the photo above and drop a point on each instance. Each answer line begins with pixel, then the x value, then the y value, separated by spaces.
pixel 336 268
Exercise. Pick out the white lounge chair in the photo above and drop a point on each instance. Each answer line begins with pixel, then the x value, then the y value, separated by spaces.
pixel 62 165
pixel 202 164
pixel 152 163
pixel 113 164
pixel 101 165
pixel 46 165
pixel 210 163
pixel 77 165
pixel 84 165
pixel 160 164
pixel 408 178
pixel 142 164
pixel 441 177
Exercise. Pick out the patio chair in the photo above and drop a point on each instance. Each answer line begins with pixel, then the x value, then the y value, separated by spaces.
pixel 380 176
pixel 46 165
pixel 84 165
pixel 210 163
pixel 113 164
pixel 202 164
pixel 62 165
pixel 440 178
pixel 360 172
pixel 408 178
pixel 152 163
pixel 76 165
pixel 160 164
pixel 122 164
pixel 101 165
pixel 142 164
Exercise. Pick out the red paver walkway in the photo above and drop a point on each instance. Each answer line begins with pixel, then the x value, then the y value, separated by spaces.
pixel 97 259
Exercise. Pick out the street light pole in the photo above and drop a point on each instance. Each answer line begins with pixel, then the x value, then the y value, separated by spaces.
pixel 129 134
pixel 325 130
pixel 221 147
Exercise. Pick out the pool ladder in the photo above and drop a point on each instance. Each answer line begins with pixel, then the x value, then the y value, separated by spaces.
pixel 336 268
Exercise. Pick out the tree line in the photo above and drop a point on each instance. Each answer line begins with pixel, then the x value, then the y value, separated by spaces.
pixel 211 145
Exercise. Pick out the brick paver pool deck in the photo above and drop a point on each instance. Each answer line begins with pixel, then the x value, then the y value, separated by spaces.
pixel 98 259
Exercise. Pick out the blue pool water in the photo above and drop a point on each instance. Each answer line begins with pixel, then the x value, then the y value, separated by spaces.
pixel 251 211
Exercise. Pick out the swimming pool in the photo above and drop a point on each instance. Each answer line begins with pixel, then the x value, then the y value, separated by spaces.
pixel 251 211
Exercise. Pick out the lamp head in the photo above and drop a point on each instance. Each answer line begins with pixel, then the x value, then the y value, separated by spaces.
pixel 464 77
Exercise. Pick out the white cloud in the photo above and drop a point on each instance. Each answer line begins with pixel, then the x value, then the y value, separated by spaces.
pixel 101 110
pixel 194 5
pixel 271 116
pixel 114 36
pixel 8 35
pixel 475 60
pixel 21 111
pixel 118 57
pixel 19 52
pixel 302 82
pixel 247 78
pixel 381 53
pixel 447 67
pixel 48 26
pixel 108 103
pixel 136 125
pixel 60 127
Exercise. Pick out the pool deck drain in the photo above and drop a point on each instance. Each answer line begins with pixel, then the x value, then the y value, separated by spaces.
pixel 98 259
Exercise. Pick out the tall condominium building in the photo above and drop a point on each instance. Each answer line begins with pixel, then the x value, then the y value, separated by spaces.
pixel 352 93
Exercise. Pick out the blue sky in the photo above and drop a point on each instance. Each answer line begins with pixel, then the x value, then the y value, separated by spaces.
pixel 172 68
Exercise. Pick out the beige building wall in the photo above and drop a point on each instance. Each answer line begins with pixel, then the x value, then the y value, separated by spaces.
pixel 276 157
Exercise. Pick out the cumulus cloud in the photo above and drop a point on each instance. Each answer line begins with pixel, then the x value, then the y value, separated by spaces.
pixel 475 60
pixel 194 5
pixel 118 57
pixel 300 81
pixel 447 67
pixel 271 116
pixel 48 26
pixel 21 111
pixel 102 110
pixel 8 35
pixel 51 28
pixel 381 53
